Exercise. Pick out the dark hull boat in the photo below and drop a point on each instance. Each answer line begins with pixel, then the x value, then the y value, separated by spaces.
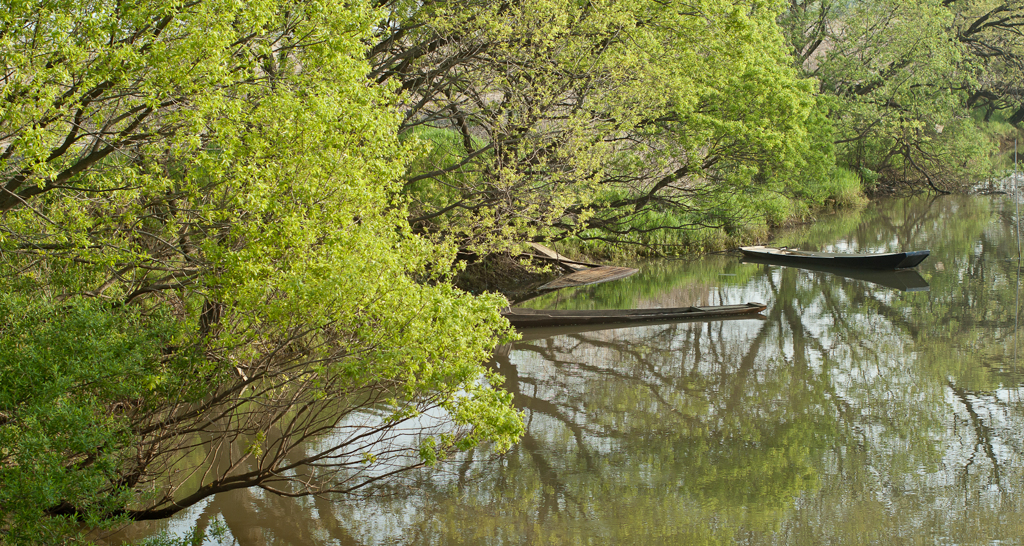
pixel 789 256
pixel 537 318
pixel 907 280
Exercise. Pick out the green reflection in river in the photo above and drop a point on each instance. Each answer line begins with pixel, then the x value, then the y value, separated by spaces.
pixel 852 413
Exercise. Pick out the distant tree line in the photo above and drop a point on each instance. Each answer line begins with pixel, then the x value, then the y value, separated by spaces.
pixel 914 89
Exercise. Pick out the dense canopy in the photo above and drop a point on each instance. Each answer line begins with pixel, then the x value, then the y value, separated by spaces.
pixel 228 230
pixel 205 261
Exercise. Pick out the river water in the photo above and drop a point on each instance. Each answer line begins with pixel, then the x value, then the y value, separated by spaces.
pixel 882 411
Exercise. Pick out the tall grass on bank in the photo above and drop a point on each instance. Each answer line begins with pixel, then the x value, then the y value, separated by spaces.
pixel 735 220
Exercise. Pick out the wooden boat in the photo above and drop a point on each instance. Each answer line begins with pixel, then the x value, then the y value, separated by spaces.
pixel 543 332
pixel 533 318
pixel 545 254
pixel 906 280
pixel 593 275
pixel 786 256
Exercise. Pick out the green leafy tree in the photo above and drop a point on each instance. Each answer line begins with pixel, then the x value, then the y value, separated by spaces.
pixel 991 34
pixel 546 119
pixel 903 80
pixel 207 263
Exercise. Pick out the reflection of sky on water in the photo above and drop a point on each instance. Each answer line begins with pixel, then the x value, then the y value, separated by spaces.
pixel 892 404
pixel 904 407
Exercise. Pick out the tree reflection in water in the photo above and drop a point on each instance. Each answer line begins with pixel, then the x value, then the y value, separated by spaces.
pixel 850 414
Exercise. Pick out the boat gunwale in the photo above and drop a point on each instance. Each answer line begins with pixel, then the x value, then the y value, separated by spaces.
pixel 525 317
pixel 885 260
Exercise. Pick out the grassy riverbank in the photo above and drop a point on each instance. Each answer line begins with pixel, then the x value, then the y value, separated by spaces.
pixel 750 222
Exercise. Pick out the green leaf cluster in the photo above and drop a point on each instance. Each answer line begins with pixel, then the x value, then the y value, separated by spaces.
pixel 902 80
pixel 72 374
pixel 202 235
pixel 545 119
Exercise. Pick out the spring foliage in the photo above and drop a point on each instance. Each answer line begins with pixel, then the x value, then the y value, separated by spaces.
pixel 549 118
pixel 227 228
pixel 911 84
pixel 200 219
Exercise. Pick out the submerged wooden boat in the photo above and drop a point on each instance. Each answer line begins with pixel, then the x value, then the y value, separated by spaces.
pixel 891 260
pixel 532 318
pixel 593 275
pixel 543 332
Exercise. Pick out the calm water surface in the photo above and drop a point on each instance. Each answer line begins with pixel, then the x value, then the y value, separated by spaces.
pixel 852 412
